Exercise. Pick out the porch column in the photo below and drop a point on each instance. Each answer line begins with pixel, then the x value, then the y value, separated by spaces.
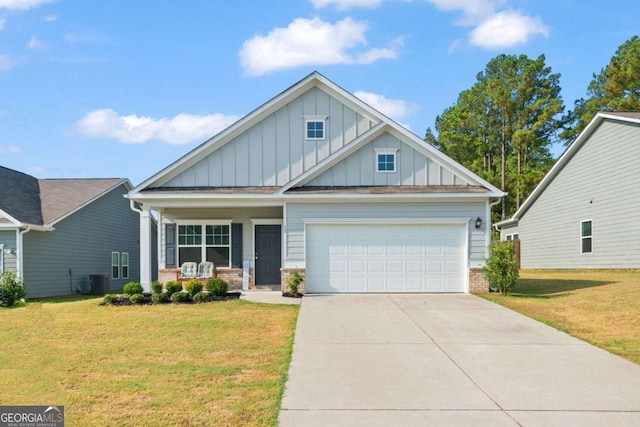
pixel 145 249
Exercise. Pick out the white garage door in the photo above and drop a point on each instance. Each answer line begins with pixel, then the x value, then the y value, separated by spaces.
pixel 385 258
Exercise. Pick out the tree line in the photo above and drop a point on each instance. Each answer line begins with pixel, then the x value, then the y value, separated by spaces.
pixel 502 128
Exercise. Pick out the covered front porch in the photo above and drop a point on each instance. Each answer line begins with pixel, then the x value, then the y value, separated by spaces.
pixel 245 244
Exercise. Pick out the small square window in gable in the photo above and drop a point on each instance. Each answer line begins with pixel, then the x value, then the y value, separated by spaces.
pixel 386 160
pixel 315 127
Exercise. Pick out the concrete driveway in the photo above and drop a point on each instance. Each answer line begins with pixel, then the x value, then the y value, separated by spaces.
pixel 452 360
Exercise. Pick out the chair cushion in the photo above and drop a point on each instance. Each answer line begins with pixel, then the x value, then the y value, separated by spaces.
pixel 189 269
pixel 205 269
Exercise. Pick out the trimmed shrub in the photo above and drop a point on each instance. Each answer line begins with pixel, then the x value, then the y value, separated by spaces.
pixel 502 267
pixel 172 287
pixel 160 298
pixel 156 287
pixel 11 289
pixel 181 297
pixel 110 299
pixel 201 297
pixel 132 288
pixel 136 299
pixel 193 287
pixel 293 284
pixel 217 287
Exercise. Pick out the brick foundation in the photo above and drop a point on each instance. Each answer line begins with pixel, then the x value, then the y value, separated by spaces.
pixel 233 276
pixel 285 273
pixel 477 281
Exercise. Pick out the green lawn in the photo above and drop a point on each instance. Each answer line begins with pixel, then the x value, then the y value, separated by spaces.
pixel 599 306
pixel 220 364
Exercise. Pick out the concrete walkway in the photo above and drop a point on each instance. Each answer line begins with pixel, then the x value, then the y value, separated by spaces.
pixel 455 360
pixel 269 297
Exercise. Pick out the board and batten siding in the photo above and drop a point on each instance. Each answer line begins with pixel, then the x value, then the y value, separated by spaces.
pixel 8 241
pixel 600 183
pixel 82 244
pixel 412 168
pixel 297 212
pixel 274 151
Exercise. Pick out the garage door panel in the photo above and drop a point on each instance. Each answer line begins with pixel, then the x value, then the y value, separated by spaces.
pixel 385 258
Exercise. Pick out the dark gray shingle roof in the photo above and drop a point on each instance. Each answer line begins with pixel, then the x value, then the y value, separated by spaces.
pixel 20 196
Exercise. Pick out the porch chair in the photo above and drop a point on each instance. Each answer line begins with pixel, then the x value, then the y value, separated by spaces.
pixel 206 270
pixel 189 270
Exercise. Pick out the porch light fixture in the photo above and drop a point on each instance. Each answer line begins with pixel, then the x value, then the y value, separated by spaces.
pixel 9 252
pixel 478 222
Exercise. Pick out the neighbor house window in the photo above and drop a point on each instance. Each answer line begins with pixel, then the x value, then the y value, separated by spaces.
pixel 115 265
pixel 314 127
pixel 215 246
pixel 512 236
pixel 386 160
pixel 1 259
pixel 586 237
pixel 125 265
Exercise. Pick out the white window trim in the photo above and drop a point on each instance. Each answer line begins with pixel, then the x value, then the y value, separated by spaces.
pixel 203 245
pixel 310 118
pixel 510 237
pixel 115 265
pixel 586 237
pixel 122 265
pixel 379 151
pixel 1 259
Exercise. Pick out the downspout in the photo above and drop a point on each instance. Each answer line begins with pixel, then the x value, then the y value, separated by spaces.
pixel 20 246
pixel 132 205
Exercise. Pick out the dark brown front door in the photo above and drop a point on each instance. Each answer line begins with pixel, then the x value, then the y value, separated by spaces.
pixel 268 256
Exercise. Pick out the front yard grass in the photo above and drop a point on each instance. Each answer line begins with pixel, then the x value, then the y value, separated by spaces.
pixel 220 364
pixel 601 307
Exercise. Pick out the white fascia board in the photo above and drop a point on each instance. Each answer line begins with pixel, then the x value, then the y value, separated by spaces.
pixel 402 221
pixel 14 222
pixel 392 197
pixel 336 157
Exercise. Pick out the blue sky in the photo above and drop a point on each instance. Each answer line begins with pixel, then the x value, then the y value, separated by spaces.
pixel 123 88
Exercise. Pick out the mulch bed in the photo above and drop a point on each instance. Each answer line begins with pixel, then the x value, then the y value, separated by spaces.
pixel 290 295
pixel 122 299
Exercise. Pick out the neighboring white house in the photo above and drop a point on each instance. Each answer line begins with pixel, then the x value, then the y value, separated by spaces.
pixel 317 180
pixel 584 213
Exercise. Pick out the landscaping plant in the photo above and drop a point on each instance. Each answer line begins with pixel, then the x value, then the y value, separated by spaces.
pixel 180 297
pixel 156 287
pixel 132 288
pixel 201 297
pixel 172 287
pixel 217 287
pixel 293 284
pixel 136 299
pixel 501 269
pixel 193 287
pixel 11 290
pixel 160 298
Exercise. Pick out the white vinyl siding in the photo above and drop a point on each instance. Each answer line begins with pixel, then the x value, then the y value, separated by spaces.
pixel 600 182
pixel 275 151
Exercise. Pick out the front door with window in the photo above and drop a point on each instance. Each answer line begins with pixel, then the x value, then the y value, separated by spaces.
pixel 268 256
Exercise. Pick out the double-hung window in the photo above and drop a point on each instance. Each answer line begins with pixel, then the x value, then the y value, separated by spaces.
pixel 586 237
pixel 125 265
pixel 205 242
pixel 115 265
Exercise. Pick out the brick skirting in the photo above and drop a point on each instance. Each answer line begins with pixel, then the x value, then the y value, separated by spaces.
pixel 233 277
pixel 477 281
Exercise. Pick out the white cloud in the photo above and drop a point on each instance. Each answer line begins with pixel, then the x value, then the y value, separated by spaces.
pixel 35 43
pixel 473 11
pixel 347 4
pixel 11 149
pixel 22 4
pixel 394 108
pixel 181 129
pixel 50 18
pixel 311 42
pixel 7 62
pixel 507 29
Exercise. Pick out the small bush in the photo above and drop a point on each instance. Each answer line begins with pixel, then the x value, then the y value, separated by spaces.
pixel 160 298
pixel 181 297
pixel 293 284
pixel 110 299
pixel 502 267
pixel 172 287
pixel 11 289
pixel 193 287
pixel 136 299
pixel 132 288
pixel 201 297
pixel 217 287
pixel 156 287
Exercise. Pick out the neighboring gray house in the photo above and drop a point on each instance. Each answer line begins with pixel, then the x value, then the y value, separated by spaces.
pixel 317 180
pixel 584 213
pixel 54 233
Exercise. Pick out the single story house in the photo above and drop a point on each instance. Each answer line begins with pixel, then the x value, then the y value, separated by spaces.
pixel 583 212
pixel 317 180
pixel 56 233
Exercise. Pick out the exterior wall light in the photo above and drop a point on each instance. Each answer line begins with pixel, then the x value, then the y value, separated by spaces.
pixel 478 222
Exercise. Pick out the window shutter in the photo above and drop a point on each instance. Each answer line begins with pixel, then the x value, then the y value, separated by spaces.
pixel 236 245
pixel 170 246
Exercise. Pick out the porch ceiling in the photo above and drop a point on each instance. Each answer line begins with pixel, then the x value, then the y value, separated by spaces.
pixel 223 213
